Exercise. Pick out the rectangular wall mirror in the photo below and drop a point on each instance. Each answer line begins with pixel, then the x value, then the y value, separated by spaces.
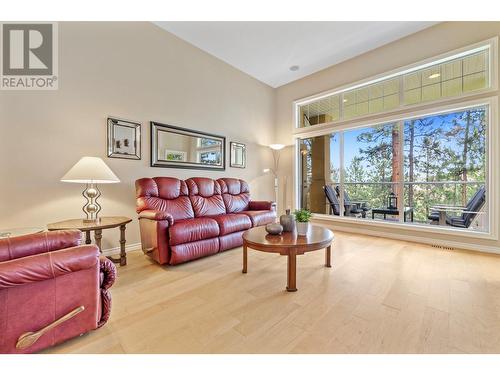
pixel 174 147
pixel 124 139
pixel 238 157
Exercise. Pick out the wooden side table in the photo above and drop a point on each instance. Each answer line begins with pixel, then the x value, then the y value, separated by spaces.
pixel 107 222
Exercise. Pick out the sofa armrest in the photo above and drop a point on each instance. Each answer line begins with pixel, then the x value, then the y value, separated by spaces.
pixel 156 215
pixel 47 266
pixel 261 205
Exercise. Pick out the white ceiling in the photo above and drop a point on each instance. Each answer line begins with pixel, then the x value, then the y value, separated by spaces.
pixel 267 50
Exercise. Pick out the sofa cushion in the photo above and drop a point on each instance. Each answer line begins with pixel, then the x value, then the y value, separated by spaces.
pixel 229 223
pixel 205 195
pixel 261 217
pixel 193 250
pixel 166 194
pixel 235 194
pixel 230 241
pixel 190 230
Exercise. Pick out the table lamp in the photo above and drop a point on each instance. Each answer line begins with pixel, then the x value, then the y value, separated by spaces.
pixel 91 171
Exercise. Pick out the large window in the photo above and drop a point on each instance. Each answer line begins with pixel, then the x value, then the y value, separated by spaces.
pixel 452 76
pixel 425 170
pixel 411 147
pixel 445 165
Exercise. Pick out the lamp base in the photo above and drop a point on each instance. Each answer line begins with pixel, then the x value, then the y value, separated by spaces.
pixel 92 221
pixel 91 207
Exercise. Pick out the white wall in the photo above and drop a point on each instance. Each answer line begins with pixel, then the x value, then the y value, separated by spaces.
pixel 136 71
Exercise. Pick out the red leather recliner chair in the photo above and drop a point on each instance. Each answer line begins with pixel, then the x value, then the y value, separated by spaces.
pixel 51 289
pixel 185 220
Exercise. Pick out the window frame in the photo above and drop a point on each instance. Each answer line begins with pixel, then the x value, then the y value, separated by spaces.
pixel 491 44
pixel 492 161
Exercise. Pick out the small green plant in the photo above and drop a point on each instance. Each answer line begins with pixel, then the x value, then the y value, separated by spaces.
pixel 302 216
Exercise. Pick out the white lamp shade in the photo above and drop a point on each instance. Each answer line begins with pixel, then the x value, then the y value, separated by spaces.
pixel 90 170
pixel 277 146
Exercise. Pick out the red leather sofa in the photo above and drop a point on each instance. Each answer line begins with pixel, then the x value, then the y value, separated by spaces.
pixel 184 220
pixel 43 278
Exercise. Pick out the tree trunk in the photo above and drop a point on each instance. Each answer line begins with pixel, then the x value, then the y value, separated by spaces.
pixel 396 165
pixel 427 190
pixel 411 160
pixel 464 159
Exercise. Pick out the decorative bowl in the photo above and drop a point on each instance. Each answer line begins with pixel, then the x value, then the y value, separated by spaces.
pixel 274 229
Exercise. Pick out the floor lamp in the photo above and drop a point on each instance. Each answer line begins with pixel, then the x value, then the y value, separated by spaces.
pixel 276 149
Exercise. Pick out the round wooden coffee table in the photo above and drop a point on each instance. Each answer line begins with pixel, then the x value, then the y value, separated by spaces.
pixel 288 244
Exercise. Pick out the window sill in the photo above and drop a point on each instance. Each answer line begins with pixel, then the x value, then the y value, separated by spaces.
pixel 415 228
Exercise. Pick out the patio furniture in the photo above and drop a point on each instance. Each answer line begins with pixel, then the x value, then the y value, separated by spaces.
pixel 467 214
pixel 393 211
pixel 334 203
pixel 358 205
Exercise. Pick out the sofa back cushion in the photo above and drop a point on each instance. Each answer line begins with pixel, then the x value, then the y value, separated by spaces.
pixel 166 194
pixel 205 195
pixel 235 194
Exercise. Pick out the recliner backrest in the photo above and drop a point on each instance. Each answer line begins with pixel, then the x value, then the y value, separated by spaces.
pixel 235 193
pixel 205 195
pixel 167 194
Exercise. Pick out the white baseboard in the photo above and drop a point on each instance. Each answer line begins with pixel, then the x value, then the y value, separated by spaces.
pixel 367 231
pixel 116 250
pixel 417 239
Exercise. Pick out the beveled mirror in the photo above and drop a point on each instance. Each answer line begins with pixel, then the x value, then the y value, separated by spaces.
pixel 124 139
pixel 174 147
pixel 238 156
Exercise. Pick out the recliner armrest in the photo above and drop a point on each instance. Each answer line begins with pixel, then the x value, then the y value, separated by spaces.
pixel 37 243
pixel 156 215
pixel 47 266
pixel 261 205
pixel 107 278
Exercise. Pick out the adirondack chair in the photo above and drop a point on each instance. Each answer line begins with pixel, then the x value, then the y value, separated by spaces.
pixel 465 219
pixel 333 200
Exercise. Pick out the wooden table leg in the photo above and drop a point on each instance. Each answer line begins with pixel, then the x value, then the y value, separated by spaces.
pixel 244 270
pixel 292 271
pixel 123 253
pixel 88 241
pixel 122 259
pixel 98 238
pixel 328 256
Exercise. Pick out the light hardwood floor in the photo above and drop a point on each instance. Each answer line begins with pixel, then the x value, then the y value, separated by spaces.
pixel 381 296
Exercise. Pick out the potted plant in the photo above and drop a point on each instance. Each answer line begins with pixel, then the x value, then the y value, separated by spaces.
pixel 302 218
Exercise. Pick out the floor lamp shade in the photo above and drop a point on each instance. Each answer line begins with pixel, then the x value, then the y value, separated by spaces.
pixel 91 171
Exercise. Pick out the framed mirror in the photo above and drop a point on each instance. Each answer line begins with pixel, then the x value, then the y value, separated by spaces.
pixel 174 147
pixel 124 139
pixel 238 157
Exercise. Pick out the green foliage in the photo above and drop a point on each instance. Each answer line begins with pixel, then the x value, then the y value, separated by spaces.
pixel 444 162
pixel 302 216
